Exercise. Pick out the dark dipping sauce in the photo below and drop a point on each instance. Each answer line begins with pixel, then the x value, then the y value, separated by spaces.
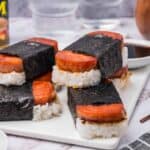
pixel 137 51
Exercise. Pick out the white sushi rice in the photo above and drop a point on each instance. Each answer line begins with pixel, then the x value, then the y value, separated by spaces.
pixel 47 111
pixel 76 80
pixel 124 57
pixel 104 130
pixel 12 78
pixel 124 80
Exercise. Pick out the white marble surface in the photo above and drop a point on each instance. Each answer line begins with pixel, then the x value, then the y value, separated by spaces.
pixel 20 29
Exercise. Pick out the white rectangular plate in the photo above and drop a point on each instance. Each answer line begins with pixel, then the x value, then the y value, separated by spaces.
pixel 62 129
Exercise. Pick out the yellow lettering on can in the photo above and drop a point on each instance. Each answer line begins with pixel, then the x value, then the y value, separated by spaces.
pixel 3 11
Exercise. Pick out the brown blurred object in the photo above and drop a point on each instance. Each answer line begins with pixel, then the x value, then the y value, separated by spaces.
pixel 144 119
pixel 142 14
pixel 142 51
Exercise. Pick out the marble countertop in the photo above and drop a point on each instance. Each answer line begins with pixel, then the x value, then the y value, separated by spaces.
pixel 22 28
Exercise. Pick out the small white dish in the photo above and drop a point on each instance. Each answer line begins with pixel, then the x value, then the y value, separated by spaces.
pixel 134 63
pixel 3 141
pixel 138 42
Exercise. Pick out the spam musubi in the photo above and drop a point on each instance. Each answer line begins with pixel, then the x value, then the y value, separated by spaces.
pixel 31 101
pixel 95 56
pixel 97 111
pixel 26 60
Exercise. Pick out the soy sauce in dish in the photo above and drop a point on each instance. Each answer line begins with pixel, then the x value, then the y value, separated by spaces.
pixel 137 51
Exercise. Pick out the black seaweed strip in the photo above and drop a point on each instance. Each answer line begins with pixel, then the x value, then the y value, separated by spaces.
pixel 95 95
pixel 16 103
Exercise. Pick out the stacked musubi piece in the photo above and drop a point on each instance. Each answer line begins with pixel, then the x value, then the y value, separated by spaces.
pixel 88 68
pixel 26 92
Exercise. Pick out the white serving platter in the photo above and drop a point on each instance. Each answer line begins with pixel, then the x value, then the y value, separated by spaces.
pixel 62 129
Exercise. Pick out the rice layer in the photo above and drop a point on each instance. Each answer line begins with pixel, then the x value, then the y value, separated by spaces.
pixel 47 111
pixel 12 78
pixel 105 130
pixel 123 81
pixel 124 57
pixel 76 80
